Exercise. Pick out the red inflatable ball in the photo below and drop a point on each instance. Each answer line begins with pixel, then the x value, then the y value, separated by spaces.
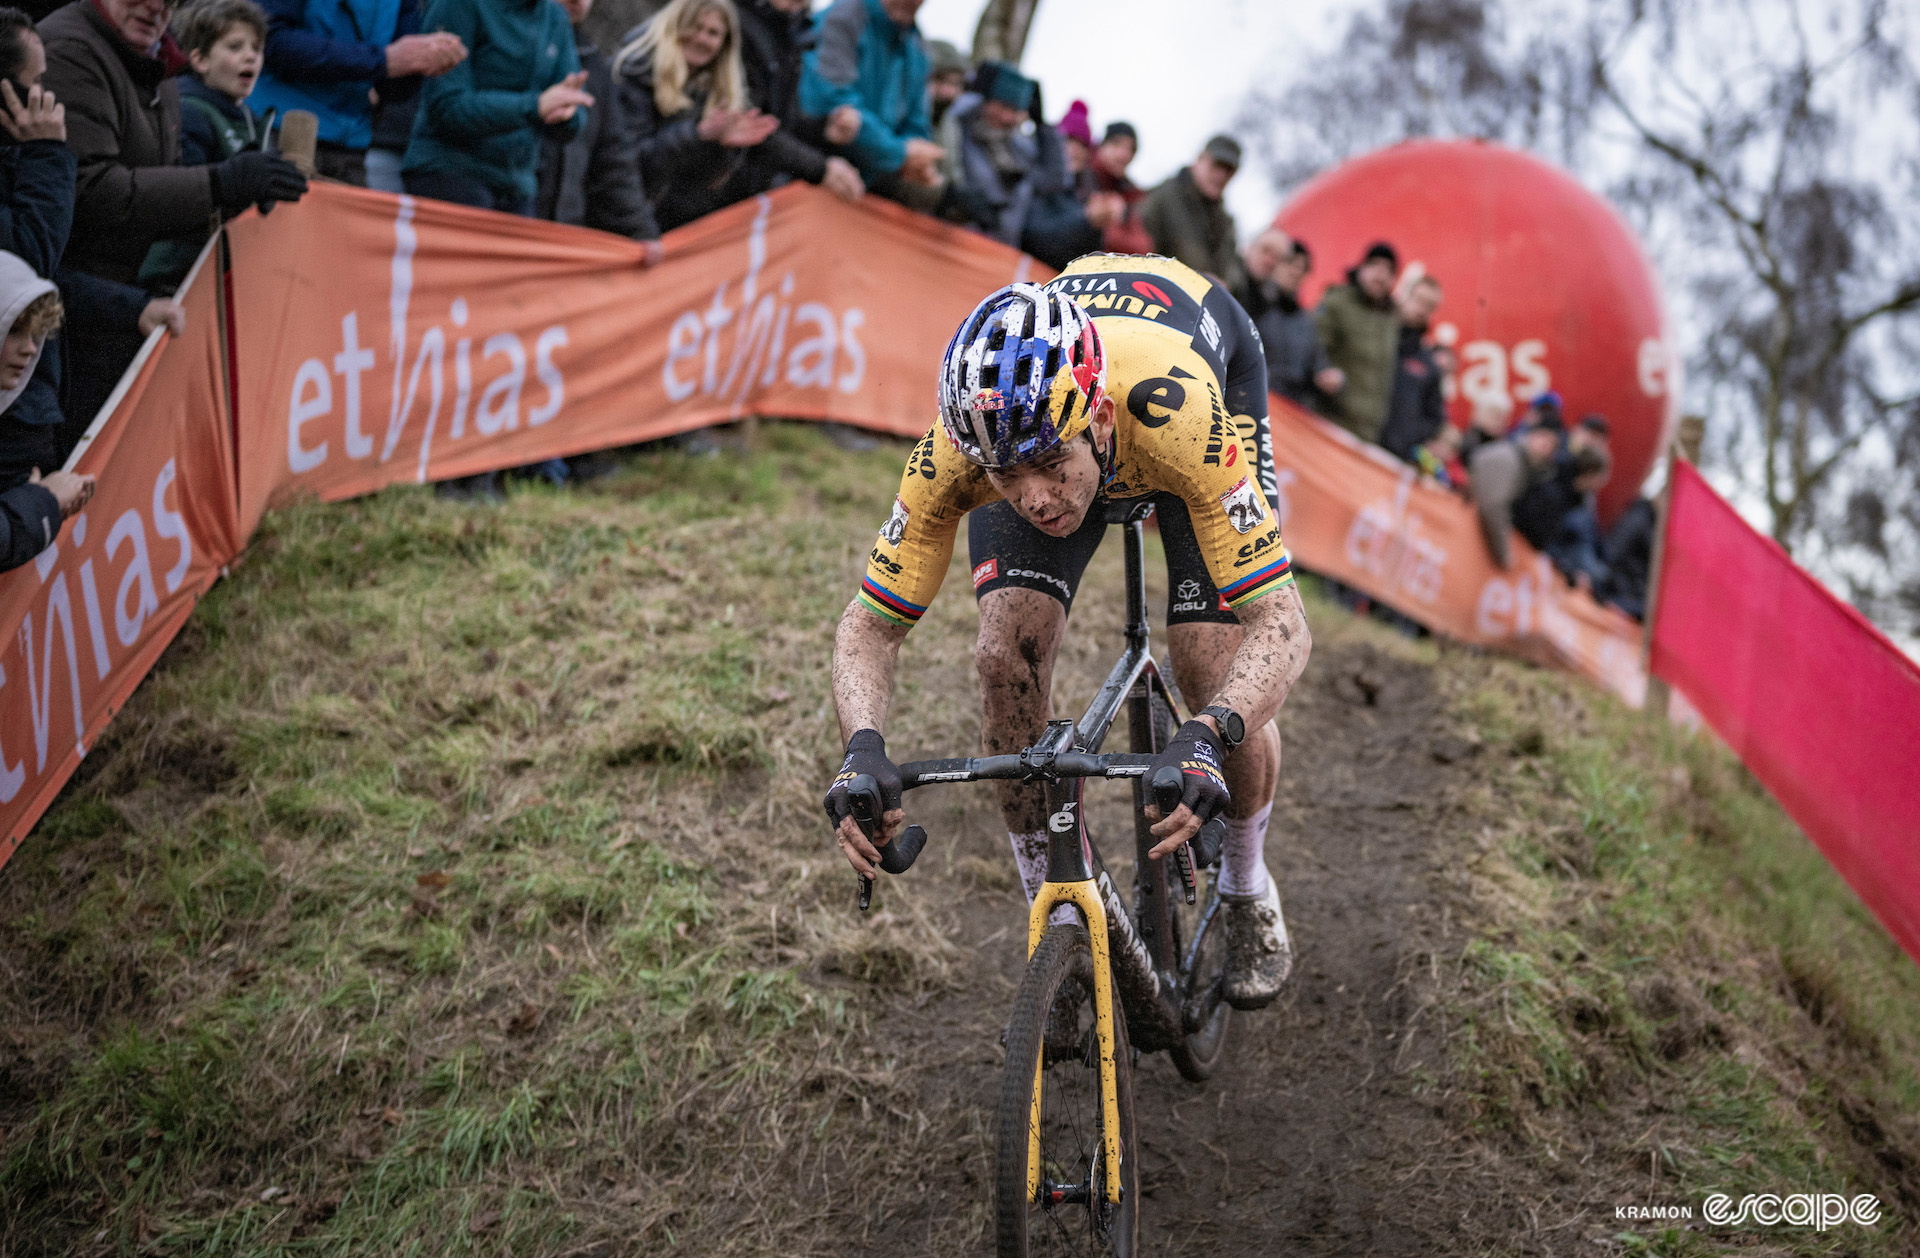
pixel 1545 286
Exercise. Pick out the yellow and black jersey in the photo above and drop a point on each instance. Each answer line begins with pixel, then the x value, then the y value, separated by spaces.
pixel 1188 379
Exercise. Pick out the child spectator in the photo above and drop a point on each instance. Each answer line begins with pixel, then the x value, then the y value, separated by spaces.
pixel 476 140
pixel 593 179
pixel 1127 233
pixel 682 83
pixel 35 496
pixel 223 40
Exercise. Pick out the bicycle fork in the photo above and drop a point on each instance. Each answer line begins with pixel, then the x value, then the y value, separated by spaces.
pixel 1070 881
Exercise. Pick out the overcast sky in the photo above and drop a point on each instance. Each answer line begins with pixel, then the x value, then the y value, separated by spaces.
pixel 1176 69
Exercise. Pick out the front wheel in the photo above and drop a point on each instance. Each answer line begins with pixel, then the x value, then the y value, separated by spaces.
pixel 1052 1042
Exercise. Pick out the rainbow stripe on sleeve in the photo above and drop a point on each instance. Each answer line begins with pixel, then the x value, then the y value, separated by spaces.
pixel 887 605
pixel 1255 585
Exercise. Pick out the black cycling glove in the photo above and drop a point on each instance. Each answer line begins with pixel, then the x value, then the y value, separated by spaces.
pixel 866 753
pixel 1194 752
pixel 255 178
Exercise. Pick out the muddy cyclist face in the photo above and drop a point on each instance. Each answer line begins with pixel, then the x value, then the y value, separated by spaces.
pixel 1054 493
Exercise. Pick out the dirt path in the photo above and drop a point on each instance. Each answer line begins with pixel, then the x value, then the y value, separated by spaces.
pixel 1314 1137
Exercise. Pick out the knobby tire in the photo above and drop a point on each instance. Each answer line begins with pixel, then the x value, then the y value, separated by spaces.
pixel 1070 1144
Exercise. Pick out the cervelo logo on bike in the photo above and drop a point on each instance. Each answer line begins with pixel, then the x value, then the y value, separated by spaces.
pixel 310 443
pixel 727 351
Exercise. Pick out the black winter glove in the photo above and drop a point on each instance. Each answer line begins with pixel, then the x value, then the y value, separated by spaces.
pixel 866 753
pixel 1197 756
pixel 255 178
pixel 968 206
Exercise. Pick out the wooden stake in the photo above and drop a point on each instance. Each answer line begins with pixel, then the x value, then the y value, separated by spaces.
pixel 1685 448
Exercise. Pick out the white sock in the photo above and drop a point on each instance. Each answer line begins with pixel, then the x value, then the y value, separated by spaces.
pixel 1243 865
pixel 1030 853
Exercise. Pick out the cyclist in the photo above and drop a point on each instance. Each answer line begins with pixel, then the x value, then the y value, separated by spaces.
pixel 1124 377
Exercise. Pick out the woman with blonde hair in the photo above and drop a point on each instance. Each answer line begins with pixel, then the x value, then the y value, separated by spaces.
pixel 703 141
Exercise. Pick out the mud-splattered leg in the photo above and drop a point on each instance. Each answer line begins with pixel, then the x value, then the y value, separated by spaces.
pixel 1020 632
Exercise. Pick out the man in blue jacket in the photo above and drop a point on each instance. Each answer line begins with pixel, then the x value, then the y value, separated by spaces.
pixel 867 76
pixel 326 55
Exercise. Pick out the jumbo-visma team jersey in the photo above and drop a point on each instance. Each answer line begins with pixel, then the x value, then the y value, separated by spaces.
pixel 1173 433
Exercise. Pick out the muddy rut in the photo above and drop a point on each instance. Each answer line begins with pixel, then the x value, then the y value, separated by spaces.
pixel 1322 1131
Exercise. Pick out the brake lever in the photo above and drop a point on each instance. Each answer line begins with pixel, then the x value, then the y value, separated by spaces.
pixel 863 800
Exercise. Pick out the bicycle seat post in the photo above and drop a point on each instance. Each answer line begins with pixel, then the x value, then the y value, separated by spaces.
pixel 1136 552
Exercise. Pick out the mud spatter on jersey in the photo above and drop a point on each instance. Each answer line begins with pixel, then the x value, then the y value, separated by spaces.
pixel 1161 324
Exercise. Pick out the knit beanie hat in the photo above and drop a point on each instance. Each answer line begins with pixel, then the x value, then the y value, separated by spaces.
pixel 1075 126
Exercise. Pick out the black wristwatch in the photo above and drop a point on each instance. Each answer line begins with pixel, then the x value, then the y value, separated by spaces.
pixel 1233 730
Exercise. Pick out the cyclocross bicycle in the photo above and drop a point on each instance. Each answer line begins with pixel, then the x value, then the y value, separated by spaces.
pixel 1067 1178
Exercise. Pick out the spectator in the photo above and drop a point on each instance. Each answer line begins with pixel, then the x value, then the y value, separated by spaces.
pixel 867 78
pixel 1186 219
pixel 222 39
pixel 774 36
pixel 392 131
pixel 947 80
pixel 36 190
pixel 1500 472
pixel 35 496
pixel 1416 409
pixel 1558 514
pixel 1077 134
pixel 476 140
pixel 1628 555
pixel 1126 233
pixel 593 179
pixel 1015 176
pixel 1297 366
pixel 332 57
pixel 105 320
pixel 682 83
pixel 1361 330
pixel 109 62
pixel 1438 458
pixel 1490 421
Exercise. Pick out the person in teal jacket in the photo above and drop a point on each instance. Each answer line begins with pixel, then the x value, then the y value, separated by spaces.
pixel 476 140
pixel 867 76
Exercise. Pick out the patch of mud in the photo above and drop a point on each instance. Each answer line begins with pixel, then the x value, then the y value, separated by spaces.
pixel 1323 1132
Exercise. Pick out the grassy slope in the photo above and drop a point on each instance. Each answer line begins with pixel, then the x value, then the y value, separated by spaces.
pixel 456 886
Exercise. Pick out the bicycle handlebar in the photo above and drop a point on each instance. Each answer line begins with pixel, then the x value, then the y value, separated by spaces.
pixel 1025 767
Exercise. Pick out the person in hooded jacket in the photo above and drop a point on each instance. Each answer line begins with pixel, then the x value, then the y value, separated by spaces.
pixel 35 494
